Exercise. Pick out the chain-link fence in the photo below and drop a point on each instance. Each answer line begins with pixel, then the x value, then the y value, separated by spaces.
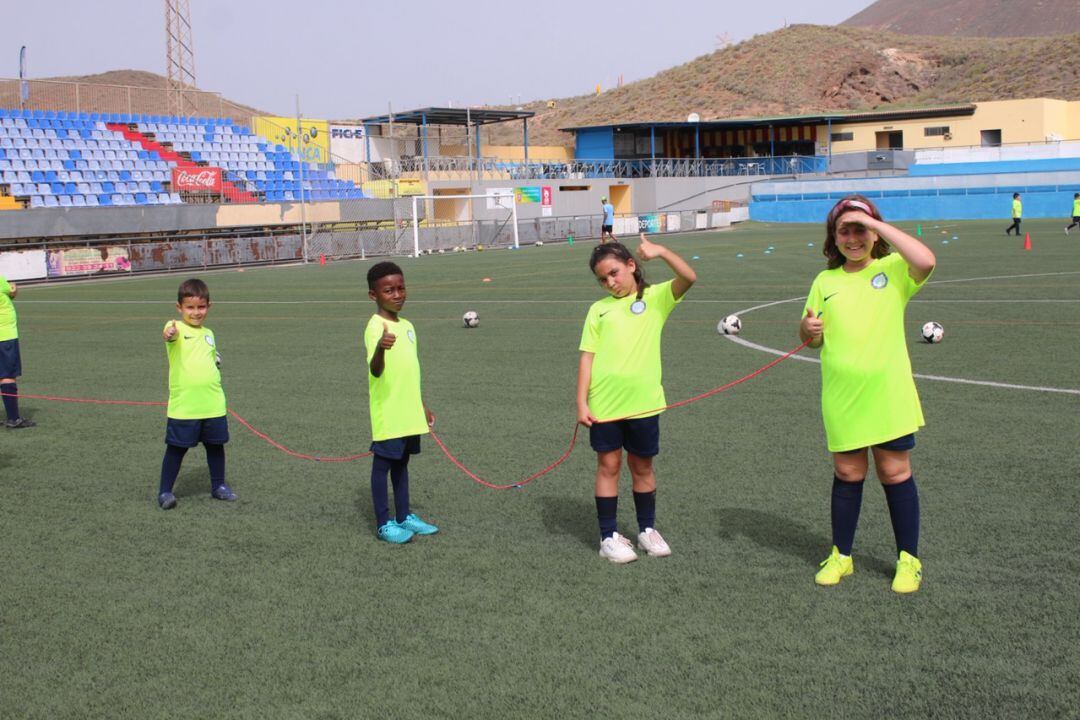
pixel 57 95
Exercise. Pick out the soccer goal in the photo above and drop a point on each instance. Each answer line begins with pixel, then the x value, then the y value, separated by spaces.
pixel 445 223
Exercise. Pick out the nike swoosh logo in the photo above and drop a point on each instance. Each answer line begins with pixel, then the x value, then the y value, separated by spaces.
pixel 826 298
pixel 189 337
pixel 604 313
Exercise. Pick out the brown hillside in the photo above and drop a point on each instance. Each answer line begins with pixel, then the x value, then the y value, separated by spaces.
pixel 812 68
pixel 971 18
pixel 152 103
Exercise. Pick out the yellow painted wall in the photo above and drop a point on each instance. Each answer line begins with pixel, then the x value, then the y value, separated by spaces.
pixel 273 129
pixel 556 153
pixel 1020 121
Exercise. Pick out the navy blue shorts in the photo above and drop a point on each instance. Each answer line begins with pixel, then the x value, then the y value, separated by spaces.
pixel 638 436
pixel 396 448
pixel 904 442
pixel 10 360
pixel 605 228
pixel 189 433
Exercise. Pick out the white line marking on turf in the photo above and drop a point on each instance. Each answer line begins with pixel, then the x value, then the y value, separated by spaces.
pixel 941 378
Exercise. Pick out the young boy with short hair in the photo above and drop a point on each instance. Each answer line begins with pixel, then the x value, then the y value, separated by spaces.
pixel 10 359
pixel 398 413
pixel 197 410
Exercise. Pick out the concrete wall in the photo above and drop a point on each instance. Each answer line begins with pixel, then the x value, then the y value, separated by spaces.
pixel 971 197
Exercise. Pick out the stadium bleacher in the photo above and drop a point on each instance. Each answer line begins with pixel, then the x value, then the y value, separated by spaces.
pixel 65 159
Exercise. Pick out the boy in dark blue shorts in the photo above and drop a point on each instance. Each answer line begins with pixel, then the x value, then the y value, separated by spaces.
pixel 10 360
pixel 196 401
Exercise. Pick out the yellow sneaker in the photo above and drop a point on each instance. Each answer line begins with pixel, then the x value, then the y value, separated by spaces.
pixel 908 574
pixel 834 567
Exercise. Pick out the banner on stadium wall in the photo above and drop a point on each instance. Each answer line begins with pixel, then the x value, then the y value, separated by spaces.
pixel 202 179
pixel 23 264
pixel 502 202
pixel 674 222
pixel 545 200
pixel 282 131
pixel 530 194
pixel 651 223
pixel 347 144
pixel 83 261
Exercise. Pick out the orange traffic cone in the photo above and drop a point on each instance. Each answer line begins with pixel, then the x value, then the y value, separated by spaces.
pixel 1027 241
pixel 322 259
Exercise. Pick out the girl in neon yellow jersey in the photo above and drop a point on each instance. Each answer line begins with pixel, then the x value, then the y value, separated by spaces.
pixel 855 314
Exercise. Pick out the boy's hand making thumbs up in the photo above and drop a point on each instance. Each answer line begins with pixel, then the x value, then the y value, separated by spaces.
pixel 388 338
pixel 170 332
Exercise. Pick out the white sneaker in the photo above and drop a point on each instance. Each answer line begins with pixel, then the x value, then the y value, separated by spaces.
pixel 653 543
pixel 617 549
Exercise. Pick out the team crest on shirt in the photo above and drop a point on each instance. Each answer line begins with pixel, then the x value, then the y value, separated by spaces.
pixel 879 281
pixel 209 340
pixel 637 307
pixel 411 336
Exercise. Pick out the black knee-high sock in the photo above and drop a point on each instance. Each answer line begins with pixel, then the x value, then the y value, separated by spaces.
pixel 903 499
pixel 645 505
pixel 399 478
pixel 215 458
pixel 846 504
pixel 606 512
pixel 170 467
pixel 380 496
pixel 11 400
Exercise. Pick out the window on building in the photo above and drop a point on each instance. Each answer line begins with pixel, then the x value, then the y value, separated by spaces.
pixel 574 188
pixel 842 136
pixel 939 130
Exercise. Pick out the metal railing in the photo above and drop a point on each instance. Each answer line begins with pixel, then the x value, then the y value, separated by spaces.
pixel 495 168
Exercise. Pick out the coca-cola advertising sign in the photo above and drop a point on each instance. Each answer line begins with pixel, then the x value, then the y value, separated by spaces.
pixel 202 179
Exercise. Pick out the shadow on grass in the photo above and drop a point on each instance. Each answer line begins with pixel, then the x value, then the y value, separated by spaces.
pixel 784 535
pixel 574 517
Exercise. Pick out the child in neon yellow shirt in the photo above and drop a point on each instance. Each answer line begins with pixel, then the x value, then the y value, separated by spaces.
pixel 855 314
pixel 197 410
pixel 619 390
pixel 398 413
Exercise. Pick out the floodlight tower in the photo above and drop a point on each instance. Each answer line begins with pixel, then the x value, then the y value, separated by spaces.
pixel 179 54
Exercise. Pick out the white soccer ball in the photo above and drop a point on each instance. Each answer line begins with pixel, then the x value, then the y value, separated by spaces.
pixel 731 325
pixel 470 319
pixel 539 243
pixel 932 332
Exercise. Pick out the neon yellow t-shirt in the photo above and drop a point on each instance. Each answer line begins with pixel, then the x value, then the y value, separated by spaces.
pixel 195 391
pixel 624 336
pixel 1017 209
pixel 1076 208
pixel 397 409
pixel 868 395
pixel 9 329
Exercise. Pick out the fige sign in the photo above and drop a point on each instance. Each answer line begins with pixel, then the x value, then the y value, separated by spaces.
pixel 202 179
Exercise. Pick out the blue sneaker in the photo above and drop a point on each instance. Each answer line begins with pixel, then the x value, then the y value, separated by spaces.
pixel 166 500
pixel 391 532
pixel 223 492
pixel 418 526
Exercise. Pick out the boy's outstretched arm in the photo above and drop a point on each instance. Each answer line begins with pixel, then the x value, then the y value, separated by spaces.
pixel 684 274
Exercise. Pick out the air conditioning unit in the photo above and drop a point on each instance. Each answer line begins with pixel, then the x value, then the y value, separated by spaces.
pixel 947 136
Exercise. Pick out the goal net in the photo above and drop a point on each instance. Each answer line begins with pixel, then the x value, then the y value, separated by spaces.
pixel 448 222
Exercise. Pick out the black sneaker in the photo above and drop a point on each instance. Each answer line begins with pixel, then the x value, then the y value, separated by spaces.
pixel 19 423
pixel 223 492
pixel 166 500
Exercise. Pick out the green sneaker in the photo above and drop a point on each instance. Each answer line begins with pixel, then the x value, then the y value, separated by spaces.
pixel 391 532
pixel 418 526
pixel 833 568
pixel 908 574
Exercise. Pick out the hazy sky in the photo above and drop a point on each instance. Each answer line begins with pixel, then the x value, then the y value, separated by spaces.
pixel 350 59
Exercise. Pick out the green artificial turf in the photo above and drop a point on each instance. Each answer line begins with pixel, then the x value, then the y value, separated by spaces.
pixel 284 605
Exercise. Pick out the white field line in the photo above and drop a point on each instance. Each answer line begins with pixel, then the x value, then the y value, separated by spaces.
pixel 940 378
